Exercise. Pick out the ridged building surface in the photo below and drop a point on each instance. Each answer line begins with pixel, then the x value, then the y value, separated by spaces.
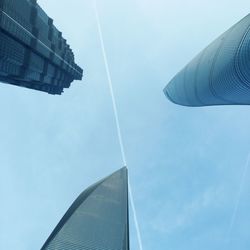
pixel 33 53
pixel 97 220
pixel 219 75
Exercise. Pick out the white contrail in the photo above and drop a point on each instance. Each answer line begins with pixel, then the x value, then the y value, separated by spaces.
pixel 135 216
pixel 236 208
pixel 110 86
pixel 117 121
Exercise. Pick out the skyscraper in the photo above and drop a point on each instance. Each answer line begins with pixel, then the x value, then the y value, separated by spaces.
pixel 33 53
pixel 97 220
pixel 219 75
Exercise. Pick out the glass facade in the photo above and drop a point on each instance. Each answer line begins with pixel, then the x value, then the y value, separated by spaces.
pixel 97 220
pixel 219 75
pixel 33 53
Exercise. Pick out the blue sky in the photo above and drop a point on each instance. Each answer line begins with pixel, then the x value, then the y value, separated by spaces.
pixel 185 164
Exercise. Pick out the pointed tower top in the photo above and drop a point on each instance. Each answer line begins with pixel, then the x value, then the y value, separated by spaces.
pixel 98 219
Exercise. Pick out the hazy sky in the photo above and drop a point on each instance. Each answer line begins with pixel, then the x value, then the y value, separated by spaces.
pixel 185 164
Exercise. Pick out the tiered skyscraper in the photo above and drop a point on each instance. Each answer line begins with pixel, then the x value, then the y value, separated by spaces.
pixel 33 53
pixel 219 75
pixel 97 220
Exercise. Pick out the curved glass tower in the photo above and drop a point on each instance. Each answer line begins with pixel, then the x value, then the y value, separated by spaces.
pixel 219 75
pixel 97 220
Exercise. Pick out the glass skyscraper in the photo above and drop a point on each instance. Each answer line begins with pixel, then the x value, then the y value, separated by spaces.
pixel 219 75
pixel 33 53
pixel 97 220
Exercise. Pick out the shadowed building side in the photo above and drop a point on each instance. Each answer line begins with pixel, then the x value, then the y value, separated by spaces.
pixel 97 220
pixel 219 75
pixel 33 53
